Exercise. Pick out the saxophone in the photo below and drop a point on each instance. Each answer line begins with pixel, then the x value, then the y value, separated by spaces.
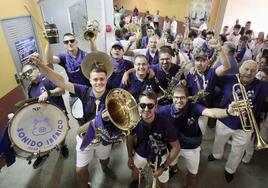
pixel 166 98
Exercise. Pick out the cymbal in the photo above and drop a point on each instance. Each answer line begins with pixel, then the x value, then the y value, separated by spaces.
pixel 95 59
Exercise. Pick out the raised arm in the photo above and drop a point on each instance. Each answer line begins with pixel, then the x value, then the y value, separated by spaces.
pixel 223 57
pixel 57 79
pixel 48 52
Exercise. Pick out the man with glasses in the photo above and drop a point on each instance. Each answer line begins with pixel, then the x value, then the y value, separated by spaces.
pixel 43 89
pixel 139 80
pixel 183 115
pixel 154 135
pixel 71 62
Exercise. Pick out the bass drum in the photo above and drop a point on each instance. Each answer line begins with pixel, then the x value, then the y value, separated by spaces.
pixel 37 128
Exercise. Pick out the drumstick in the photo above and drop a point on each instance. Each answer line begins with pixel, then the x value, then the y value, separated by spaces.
pixel 35 20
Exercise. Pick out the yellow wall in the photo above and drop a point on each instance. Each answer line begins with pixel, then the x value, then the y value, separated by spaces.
pixel 9 9
pixel 178 8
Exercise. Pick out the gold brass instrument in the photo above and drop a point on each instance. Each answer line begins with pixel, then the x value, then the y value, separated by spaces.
pixel 201 94
pixel 244 107
pixel 121 109
pixel 166 98
pixel 120 106
pixel 92 30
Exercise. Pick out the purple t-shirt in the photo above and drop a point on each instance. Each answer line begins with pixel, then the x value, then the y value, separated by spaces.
pixel 72 67
pixel 88 100
pixel 160 131
pixel 162 76
pixel 120 67
pixel 257 91
pixel 186 123
pixel 136 86
pixel 209 81
pixel 43 84
pixel 144 41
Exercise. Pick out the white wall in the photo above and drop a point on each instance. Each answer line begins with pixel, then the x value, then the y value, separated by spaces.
pixel 247 10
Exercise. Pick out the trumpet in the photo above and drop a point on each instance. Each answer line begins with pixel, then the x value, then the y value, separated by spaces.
pixel 243 106
pixel 92 30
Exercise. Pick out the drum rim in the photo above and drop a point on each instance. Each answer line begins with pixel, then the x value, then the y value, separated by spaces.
pixel 20 109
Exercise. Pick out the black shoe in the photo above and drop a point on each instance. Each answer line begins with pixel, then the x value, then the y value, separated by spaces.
pixel 64 151
pixel 109 173
pixel 172 172
pixel 39 161
pixel 211 158
pixel 228 176
pixel 134 184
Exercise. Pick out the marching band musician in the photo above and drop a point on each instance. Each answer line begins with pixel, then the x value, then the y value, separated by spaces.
pixel 201 83
pixel 154 133
pixel 139 80
pixel 71 61
pixel 165 70
pixel 204 76
pixel 43 89
pixel 120 65
pixel 256 92
pixel 93 98
pixel 183 114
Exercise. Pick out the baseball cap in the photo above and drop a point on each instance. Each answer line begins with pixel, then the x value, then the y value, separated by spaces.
pixel 199 52
pixel 118 44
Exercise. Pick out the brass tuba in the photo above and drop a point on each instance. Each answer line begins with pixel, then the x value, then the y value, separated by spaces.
pixel 244 107
pixel 122 110
pixel 120 106
pixel 92 30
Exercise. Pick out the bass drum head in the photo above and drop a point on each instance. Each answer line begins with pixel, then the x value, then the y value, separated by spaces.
pixel 37 128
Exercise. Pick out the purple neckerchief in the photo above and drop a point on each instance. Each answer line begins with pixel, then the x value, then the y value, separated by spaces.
pixel 152 60
pixel 6 150
pixel 73 64
pixel 93 125
pixel 119 65
pixel 240 54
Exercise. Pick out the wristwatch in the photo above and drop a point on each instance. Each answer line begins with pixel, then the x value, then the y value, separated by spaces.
pixel 163 167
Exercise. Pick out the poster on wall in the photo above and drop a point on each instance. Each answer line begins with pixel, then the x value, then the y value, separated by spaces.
pixel 25 47
pixel 200 9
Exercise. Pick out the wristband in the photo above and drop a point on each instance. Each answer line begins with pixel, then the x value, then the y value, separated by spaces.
pixel 48 93
pixel 227 112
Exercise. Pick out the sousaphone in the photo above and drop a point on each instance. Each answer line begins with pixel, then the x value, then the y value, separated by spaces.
pixel 120 106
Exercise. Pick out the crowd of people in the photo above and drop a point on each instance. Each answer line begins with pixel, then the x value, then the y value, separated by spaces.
pixel 175 79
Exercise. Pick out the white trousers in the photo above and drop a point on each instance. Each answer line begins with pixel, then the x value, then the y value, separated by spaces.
pixel 239 143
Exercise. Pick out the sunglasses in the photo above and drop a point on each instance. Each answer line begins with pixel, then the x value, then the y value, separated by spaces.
pixel 177 98
pixel 26 73
pixel 67 41
pixel 149 105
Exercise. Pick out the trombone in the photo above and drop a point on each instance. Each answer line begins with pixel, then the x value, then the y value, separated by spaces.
pixel 243 106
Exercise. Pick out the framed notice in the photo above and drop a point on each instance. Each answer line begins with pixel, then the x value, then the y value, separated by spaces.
pixel 25 47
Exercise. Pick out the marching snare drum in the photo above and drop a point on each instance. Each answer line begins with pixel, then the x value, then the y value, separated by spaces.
pixel 37 128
